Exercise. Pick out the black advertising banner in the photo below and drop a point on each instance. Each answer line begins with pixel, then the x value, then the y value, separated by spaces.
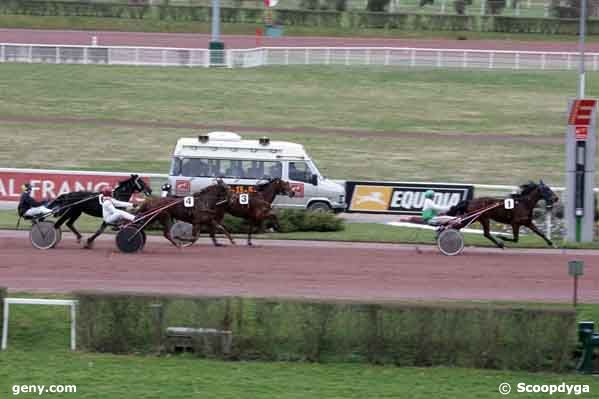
pixel 401 198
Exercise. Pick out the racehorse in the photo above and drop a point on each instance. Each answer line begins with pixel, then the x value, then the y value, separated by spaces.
pixel 87 202
pixel 520 215
pixel 258 208
pixel 208 205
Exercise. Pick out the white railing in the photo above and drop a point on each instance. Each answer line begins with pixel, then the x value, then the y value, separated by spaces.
pixel 35 301
pixel 264 56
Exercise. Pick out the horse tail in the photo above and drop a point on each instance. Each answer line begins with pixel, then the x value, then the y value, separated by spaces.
pixel 458 209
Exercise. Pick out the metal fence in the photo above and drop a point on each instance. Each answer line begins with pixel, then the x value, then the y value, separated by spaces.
pixel 265 56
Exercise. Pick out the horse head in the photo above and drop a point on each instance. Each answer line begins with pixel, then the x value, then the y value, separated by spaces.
pixel 133 184
pixel 283 187
pixel 547 194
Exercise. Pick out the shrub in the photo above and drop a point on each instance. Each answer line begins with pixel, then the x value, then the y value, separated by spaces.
pixel 495 7
pixel 377 5
pixel 481 335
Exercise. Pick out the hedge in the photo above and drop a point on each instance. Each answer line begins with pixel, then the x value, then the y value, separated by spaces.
pixel 322 18
pixel 480 336
pixel 290 220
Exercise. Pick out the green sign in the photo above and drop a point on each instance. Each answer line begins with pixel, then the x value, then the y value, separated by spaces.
pixel 575 268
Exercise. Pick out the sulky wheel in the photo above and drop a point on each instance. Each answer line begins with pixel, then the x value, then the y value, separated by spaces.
pixel 450 242
pixel 182 234
pixel 44 235
pixel 129 240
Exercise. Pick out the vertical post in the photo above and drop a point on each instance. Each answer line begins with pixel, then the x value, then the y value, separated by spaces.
pixel 548 223
pixel 157 320
pixel 74 326
pixel 575 294
pixel 583 17
pixel 216 46
pixel 5 325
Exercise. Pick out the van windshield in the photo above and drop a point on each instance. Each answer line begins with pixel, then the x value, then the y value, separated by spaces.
pixel 231 168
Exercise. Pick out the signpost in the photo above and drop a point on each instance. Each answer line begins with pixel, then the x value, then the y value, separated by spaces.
pixel 575 269
pixel 580 169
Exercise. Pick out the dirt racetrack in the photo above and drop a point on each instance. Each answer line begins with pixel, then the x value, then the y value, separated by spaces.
pixel 298 269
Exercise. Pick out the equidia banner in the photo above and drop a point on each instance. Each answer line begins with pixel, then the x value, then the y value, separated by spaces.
pixel 401 198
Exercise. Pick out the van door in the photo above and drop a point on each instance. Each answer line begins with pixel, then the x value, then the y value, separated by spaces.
pixel 299 174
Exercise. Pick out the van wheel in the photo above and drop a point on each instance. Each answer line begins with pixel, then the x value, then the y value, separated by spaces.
pixel 319 207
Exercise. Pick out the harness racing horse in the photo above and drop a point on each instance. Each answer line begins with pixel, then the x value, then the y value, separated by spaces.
pixel 520 215
pixel 87 202
pixel 258 207
pixel 208 205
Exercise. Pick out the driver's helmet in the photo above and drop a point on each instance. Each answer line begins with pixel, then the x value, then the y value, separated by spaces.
pixel 107 192
pixel 429 194
pixel 166 187
pixel 27 187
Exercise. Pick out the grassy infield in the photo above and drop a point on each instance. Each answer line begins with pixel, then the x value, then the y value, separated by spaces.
pixel 364 99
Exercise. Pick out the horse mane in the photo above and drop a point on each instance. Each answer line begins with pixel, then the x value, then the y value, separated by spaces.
pixel 262 186
pixel 527 188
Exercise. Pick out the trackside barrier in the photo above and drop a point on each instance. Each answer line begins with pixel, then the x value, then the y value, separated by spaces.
pixel 266 56
pixel 35 301
pixel 158 178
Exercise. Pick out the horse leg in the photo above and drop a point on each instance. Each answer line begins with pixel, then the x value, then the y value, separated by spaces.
pixel 538 232
pixel 487 232
pixel 90 241
pixel 250 228
pixel 71 224
pixel 515 233
pixel 167 223
pixel 225 232
pixel 213 226
pixel 274 220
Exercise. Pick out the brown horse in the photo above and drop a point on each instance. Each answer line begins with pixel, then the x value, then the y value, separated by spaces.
pixel 258 207
pixel 521 214
pixel 208 205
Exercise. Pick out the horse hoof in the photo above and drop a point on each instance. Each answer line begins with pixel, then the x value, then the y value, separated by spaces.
pixel 78 240
pixel 88 245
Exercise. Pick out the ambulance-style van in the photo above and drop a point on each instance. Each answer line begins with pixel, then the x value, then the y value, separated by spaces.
pixel 198 161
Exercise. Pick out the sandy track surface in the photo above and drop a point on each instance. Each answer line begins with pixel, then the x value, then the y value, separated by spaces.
pixel 298 269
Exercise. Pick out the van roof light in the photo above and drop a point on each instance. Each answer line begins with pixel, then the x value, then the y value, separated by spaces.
pixel 203 138
pixel 264 141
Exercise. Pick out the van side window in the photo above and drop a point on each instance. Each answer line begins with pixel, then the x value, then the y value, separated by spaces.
pixel 195 167
pixel 273 170
pixel 299 171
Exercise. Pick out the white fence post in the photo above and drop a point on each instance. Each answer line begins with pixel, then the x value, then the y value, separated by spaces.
pixel 58 55
pixel 73 326
pixel 30 54
pixel 2 53
pixel 5 325
pixel 387 56
pixel 413 58
pixel 307 56
pixel 543 61
pixel 439 62
pixel 491 59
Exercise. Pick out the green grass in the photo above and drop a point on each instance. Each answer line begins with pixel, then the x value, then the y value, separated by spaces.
pixel 38 354
pixel 365 100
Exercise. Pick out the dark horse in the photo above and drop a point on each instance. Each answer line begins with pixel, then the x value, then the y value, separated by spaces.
pixel 258 209
pixel 208 205
pixel 520 215
pixel 87 202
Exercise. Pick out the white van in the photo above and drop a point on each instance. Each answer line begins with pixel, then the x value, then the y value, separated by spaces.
pixel 198 161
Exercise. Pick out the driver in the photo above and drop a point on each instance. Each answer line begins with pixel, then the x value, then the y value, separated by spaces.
pixel 110 213
pixel 29 207
pixel 430 211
